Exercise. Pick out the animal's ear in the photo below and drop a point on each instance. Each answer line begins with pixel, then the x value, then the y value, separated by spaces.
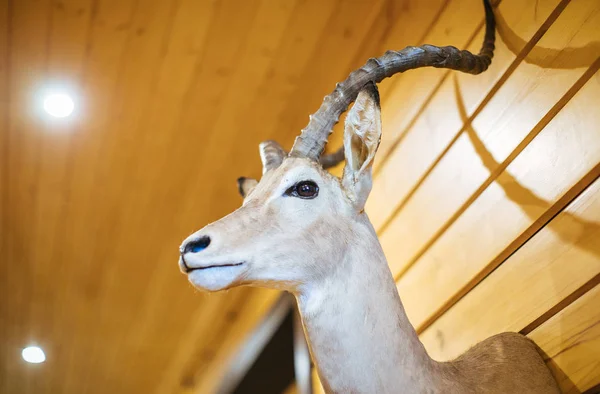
pixel 271 155
pixel 362 134
pixel 245 185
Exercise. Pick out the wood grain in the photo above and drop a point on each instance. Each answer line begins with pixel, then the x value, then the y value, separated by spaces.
pixel 571 343
pixel 457 23
pixel 520 109
pixel 5 310
pixel 28 27
pixel 441 119
pixel 539 183
pixel 556 262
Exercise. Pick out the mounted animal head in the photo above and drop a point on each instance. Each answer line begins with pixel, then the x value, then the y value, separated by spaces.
pixel 292 222
pixel 297 223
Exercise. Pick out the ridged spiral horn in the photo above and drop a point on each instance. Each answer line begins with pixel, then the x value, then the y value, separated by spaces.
pixel 313 138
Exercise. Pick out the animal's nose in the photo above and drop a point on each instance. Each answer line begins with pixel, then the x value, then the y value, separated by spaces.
pixel 197 245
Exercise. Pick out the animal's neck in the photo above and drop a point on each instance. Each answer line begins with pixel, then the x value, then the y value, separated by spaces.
pixel 359 335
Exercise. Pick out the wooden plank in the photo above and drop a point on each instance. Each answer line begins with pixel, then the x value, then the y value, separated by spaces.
pixel 571 342
pixel 137 33
pixel 560 162
pixel 67 36
pixel 165 40
pixel 28 26
pixel 442 119
pixel 512 118
pixel 309 24
pixel 182 50
pixel 105 50
pixel 6 327
pixel 549 268
pixel 457 25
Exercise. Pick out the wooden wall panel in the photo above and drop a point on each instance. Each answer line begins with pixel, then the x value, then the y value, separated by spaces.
pixel 5 328
pixel 510 120
pixel 70 28
pixel 522 199
pixel 147 30
pixel 100 82
pixel 571 343
pixel 28 28
pixel 4 141
pixel 458 23
pixel 182 49
pixel 548 269
pixel 442 119
pixel 65 62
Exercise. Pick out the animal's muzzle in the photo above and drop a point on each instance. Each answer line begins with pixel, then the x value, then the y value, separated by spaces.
pixel 193 246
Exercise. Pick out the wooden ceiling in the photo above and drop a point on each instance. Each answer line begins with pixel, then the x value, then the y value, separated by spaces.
pixel 172 98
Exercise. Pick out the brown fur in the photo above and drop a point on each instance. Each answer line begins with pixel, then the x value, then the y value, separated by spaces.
pixel 505 363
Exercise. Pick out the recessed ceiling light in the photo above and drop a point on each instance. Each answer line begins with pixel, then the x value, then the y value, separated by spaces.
pixel 59 105
pixel 33 354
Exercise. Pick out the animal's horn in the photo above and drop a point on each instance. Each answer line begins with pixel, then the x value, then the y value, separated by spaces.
pixel 311 141
pixel 271 155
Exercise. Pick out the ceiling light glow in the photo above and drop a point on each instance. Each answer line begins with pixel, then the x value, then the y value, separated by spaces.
pixel 33 354
pixel 59 105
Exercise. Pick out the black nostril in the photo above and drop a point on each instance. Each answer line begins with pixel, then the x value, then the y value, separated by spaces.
pixel 197 245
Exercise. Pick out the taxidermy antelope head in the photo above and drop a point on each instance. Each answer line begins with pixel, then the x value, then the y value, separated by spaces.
pixel 303 230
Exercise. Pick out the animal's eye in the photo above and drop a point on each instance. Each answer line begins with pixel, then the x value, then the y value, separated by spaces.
pixel 304 189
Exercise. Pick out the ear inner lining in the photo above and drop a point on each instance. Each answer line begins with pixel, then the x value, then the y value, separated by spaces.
pixel 359 152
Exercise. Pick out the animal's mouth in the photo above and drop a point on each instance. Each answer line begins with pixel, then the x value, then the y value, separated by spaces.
pixel 206 267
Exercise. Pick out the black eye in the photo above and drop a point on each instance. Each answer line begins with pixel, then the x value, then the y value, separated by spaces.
pixel 304 189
